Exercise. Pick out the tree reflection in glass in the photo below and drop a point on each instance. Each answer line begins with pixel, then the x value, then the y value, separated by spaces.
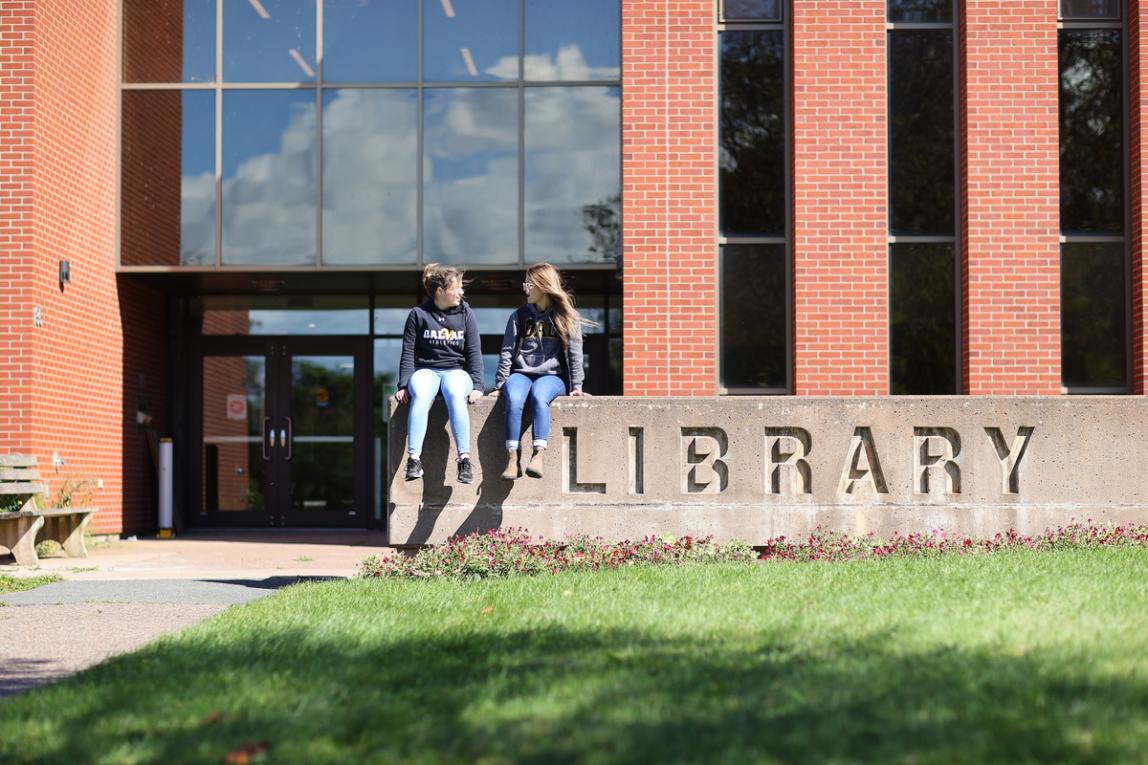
pixel 754 307
pixel 922 319
pixel 1091 132
pixel 752 154
pixel 917 11
pixel 1093 345
pixel 921 133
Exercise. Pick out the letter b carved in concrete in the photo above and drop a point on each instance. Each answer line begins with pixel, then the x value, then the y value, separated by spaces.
pixel 785 453
pixel 704 470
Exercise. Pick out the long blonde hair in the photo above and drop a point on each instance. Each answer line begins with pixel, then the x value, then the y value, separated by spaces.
pixel 436 276
pixel 567 320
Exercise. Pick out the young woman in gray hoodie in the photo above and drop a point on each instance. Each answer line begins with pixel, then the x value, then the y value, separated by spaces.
pixel 541 359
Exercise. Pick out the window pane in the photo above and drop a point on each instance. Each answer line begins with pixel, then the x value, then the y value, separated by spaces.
pixel 269 41
pixel 920 10
pixel 370 42
pixel 921 144
pixel 1093 315
pixel 470 176
pixel 752 134
pixel 572 41
pixel 370 174
pixel 1090 9
pixel 923 329
pixel 281 315
pixel 269 177
pixel 754 307
pixel 466 41
pixel 169 40
pixel 768 10
pixel 167 210
pixel 1091 132
pixel 573 175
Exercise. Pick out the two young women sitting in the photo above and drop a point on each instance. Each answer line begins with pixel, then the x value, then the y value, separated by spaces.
pixel 541 359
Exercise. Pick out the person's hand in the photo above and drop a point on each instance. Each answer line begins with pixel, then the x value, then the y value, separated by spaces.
pixel 473 396
pixel 581 393
pixel 401 396
pixel 494 393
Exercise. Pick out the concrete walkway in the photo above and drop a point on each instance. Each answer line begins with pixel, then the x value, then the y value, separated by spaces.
pixel 127 593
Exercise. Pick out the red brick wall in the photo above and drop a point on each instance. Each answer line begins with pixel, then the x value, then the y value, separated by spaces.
pixel 669 197
pixel 1138 117
pixel 17 249
pixel 77 402
pixel 840 219
pixel 1010 198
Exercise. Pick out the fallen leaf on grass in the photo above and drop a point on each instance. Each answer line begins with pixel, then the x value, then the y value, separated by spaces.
pixel 248 752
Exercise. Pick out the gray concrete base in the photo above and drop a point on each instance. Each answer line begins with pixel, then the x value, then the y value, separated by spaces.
pixel 758 468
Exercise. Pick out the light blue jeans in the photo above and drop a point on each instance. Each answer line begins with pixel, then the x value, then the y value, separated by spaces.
pixel 423 386
pixel 541 391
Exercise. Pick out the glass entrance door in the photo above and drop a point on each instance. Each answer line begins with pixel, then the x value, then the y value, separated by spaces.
pixel 283 433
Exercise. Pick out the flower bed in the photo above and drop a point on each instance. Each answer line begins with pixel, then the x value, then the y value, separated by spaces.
pixel 511 552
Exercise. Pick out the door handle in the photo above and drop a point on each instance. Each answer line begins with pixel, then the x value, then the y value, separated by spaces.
pixel 267 434
pixel 290 437
pixel 282 438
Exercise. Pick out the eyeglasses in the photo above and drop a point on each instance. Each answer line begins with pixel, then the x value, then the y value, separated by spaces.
pixel 528 285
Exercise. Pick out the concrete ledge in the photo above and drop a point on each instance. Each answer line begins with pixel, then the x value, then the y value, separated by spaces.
pixel 761 467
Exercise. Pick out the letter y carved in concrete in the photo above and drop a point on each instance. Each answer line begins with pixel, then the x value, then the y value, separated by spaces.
pixel 1010 456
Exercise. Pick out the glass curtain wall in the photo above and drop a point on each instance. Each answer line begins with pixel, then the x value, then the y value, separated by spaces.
pixel 1094 268
pixel 753 236
pixel 923 252
pixel 370 134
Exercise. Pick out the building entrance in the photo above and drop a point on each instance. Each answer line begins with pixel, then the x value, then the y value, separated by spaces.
pixel 282 432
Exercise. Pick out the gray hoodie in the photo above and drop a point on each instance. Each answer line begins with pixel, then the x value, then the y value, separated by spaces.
pixel 531 345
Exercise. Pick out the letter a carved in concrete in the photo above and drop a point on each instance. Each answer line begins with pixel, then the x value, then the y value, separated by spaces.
pixel 1010 457
pixel 704 470
pixel 787 448
pixel 862 465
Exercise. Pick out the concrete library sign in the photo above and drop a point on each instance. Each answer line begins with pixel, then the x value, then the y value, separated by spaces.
pixel 755 468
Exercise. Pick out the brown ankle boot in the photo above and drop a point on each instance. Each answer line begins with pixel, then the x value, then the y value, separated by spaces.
pixel 511 471
pixel 534 469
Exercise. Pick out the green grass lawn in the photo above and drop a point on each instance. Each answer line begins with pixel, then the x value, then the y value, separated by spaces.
pixel 1007 658
pixel 18 583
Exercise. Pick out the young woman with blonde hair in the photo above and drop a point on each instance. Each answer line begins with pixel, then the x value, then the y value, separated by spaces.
pixel 541 359
pixel 441 353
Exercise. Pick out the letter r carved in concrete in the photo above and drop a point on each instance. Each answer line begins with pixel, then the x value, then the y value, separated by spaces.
pixel 785 452
pixel 704 470
pixel 935 451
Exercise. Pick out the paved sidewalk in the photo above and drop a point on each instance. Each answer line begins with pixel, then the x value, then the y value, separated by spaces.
pixel 127 593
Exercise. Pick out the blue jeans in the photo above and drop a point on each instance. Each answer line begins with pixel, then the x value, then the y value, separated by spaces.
pixel 423 386
pixel 541 390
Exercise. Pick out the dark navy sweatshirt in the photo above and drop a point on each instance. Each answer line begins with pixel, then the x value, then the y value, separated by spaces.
pixel 435 338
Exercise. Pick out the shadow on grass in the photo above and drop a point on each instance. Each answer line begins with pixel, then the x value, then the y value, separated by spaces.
pixel 554 695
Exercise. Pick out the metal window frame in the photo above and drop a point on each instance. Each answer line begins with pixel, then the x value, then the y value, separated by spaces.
pixel 1119 24
pixel 955 239
pixel 218 85
pixel 784 25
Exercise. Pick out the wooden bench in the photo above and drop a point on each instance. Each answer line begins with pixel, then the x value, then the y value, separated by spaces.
pixel 20 529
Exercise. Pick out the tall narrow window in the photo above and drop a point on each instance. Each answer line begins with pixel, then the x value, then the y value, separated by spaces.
pixel 1093 210
pixel 754 219
pixel 923 252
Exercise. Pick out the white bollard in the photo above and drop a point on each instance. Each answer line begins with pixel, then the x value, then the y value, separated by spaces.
pixel 165 493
